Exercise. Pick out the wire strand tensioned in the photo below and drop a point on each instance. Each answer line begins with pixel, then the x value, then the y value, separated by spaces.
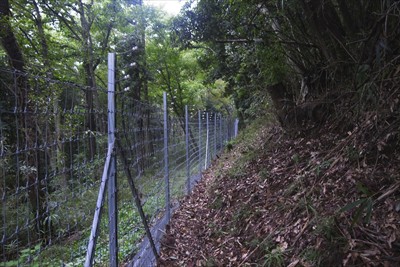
pixel 54 153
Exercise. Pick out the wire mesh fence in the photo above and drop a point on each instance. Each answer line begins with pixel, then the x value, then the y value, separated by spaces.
pixel 51 157
pixel 65 165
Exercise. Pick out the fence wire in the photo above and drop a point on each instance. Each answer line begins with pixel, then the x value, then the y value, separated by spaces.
pixel 52 151
pixel 56 158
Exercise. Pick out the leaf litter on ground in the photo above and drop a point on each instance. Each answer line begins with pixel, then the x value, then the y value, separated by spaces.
pixel 276 200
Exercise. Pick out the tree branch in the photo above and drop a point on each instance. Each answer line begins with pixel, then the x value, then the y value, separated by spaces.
pixel 65 22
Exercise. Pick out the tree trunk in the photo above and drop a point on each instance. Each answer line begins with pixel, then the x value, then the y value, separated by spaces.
pixel 90 80
pixel 8 40
pixel 140 92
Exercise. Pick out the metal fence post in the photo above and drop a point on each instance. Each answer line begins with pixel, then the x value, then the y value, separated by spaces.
pixel 223 130
pixel 199 145
pixel 221 143
pixel 236 127
pixel 187 148
pixel 166 162
pixel 112 180
pixel 109 176
pixel 207 140
pixel 215 134
pixel 229 127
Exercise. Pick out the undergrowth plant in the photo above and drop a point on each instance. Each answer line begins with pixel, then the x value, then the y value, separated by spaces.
pixel 312 256
pixel 274 258
pixel 27 257
pixel 363 206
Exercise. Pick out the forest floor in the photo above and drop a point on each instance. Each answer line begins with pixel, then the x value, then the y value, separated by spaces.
pixel 276 199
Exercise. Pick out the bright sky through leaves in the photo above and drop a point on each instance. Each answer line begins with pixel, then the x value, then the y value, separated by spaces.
pixel 170 6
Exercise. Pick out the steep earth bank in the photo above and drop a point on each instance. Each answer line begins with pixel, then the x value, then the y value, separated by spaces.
pixel 278 199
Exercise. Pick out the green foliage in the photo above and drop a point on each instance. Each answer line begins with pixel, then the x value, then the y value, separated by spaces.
pixel 129 233
pixel 296 159
pixel 274 258
pixel 363 209
pixel 265 244
pixel 295 187
pixel 238 51
pixel 27 257
pixel 312 256
pixel 352 153
pixel 363 206
pixel 322 167
pixel 56 255
pixel 217 203
pixel 264 173
pixel 210 263
pixel 229 146
pixel 178 73
pixel 327 228
pixel 242 213
pixel 311 47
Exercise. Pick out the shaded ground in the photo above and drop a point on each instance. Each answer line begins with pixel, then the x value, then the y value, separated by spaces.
pixel 280 200
pixel 145 255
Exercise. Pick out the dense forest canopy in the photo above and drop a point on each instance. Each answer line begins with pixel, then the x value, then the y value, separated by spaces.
pixel 299 51
pixel 70 40
pixel 304 49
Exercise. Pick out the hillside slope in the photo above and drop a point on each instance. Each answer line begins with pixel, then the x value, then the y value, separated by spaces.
pixel 282 200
